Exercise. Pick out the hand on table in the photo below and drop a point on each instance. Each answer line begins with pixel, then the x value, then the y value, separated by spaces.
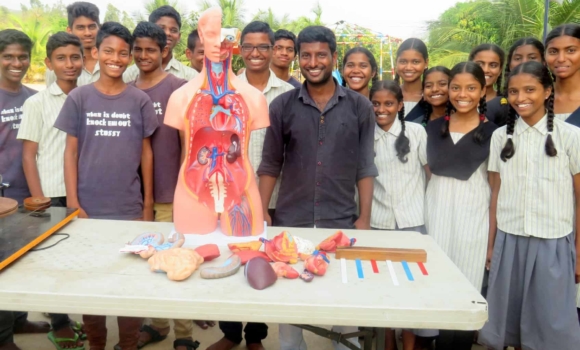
pixel 82 214
pixel 267 218
pixel 362 224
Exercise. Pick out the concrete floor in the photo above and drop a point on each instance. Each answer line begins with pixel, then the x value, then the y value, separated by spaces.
pixel 205 337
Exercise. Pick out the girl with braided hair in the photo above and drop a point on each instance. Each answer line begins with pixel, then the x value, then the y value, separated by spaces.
pixel 458 193
pixel 411 63
pixel 399 190
pixel 435 94
pixel 563 59
pixel 359 68
pixel 523 50
pixel 534 170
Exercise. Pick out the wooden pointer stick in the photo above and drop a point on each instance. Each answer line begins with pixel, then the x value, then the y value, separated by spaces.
pixel 371 253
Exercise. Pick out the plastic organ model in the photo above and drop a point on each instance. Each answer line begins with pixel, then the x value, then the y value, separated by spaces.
pixel 217 113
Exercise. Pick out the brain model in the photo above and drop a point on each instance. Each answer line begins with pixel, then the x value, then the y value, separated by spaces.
pixel 178 263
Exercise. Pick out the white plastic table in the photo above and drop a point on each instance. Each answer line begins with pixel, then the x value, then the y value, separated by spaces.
pixel 86 274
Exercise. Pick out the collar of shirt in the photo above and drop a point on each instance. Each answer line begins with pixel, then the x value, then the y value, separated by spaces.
pixel 55 90
pixel 395 130
pixel 541 126
pixel 273 81
pixel 339 92
pixel 173 63
pixel 95 70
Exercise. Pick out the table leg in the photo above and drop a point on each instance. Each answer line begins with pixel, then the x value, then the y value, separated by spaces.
pixel 380 338
pixel 339 337
pixel 368 338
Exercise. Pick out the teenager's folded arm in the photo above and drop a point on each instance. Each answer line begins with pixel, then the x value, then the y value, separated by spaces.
pixel 29 151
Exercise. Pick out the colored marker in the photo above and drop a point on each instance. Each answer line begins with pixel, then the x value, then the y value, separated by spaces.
pixel 407 270
pixel 359 269
pixel 392 272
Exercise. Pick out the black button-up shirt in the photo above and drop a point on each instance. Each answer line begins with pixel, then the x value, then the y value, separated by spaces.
pixel 321 155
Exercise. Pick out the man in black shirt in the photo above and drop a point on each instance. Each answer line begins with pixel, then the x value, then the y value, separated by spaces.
pixel 321 137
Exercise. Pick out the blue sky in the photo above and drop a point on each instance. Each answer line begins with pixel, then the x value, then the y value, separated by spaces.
pixel 399 18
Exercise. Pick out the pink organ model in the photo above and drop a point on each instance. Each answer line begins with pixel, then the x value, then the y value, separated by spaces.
pixel 216 113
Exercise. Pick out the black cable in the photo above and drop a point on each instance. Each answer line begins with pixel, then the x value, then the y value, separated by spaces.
pixel 52 245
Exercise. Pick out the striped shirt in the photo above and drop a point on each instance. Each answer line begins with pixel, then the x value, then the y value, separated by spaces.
pixel 563 116
pixel 399 190
pixel 174 67
pixel 274 88
pixel 85 78
pixel 536 197
pixel 40 113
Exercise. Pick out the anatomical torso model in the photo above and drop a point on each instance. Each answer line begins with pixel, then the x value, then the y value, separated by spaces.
pixel 216 113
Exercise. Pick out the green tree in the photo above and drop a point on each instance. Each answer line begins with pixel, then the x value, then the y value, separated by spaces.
pixel 113 14
pixel 273 21
pixel 127 21
pixel 304 21
pixel 467 25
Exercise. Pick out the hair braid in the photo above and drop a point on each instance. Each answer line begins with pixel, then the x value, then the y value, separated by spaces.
pixel 478 136
pixel 550 147
pixel 397 79
pixel 509 149
pixel 505 86
pixel 445 126
pixel 498 83
pixel 428 110
pixel 402 143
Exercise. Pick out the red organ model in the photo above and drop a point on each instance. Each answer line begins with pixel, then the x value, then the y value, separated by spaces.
pixel 216 112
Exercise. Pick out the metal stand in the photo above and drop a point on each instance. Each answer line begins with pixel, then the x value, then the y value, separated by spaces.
pixel 367 333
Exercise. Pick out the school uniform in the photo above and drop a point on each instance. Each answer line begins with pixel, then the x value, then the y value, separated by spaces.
pixel 174 67
pixel 532 292
pixel 39 114
pixel 458 197
pixel 574 119
pixel 413 110
pixel 399 190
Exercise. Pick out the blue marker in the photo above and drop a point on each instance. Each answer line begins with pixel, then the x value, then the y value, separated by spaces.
pixel 407 270
pixel 359 269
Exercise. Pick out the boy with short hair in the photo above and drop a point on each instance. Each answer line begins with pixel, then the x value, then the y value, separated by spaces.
pixel 283 56
pixel 169 20
pixel 149 49
pixel 195 52
pixel 108 126
pixel 43 147
pixel 15 51
pixel 83 21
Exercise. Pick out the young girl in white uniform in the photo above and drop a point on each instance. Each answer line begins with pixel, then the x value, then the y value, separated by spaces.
pixel 458 194
pixel 534 170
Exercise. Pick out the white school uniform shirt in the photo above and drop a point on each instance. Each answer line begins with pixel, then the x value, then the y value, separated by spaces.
pixel 85 78
pixel 274 88
pixel 562 116
pixel 536 197
pixel 399 190
pixel 409 105
pixel 39 114
pixel 174 67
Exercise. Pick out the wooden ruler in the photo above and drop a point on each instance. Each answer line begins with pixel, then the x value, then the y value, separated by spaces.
pixel 371 253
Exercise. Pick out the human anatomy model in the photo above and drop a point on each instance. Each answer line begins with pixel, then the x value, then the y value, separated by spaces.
pixel 216 113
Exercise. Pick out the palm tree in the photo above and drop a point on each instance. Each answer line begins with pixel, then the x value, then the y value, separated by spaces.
pixel 273 21
pixel 37 30
pixel 233 11
pixel 467 25
pixel 305 21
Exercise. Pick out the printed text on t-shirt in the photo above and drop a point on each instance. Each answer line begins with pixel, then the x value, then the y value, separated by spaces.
pixel 13 115
pixel 106 119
